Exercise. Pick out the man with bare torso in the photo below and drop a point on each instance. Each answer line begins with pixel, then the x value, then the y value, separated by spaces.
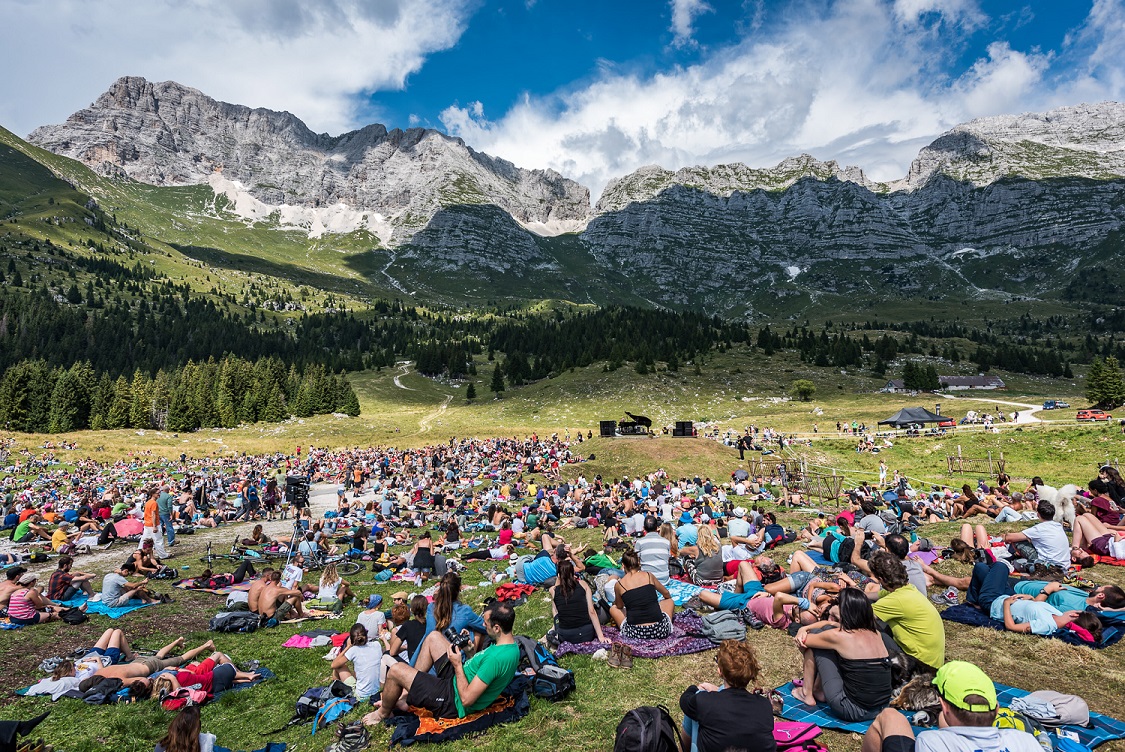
pixel 254 594
pixel 277 602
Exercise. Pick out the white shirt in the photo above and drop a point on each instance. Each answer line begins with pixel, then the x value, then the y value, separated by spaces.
pixel 976 739
pixel 366 660
pixel 738 526
pixel 1051 542
pixel 373 622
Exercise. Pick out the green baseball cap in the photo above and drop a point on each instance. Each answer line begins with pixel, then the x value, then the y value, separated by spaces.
pixel 957 680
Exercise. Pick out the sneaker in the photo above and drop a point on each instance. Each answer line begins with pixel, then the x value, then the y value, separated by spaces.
pixel 694 603
pixel 947 598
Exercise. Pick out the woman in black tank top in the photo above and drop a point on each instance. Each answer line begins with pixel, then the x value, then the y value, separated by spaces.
pixel 575 618
pixel 639 613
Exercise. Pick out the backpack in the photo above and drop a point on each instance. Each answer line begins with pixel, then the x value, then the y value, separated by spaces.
pixel 550 681
pixel 333 709
pixel 647 729
pixel 234 621
pixel 73 616
pixel 791 736
pixel 891 521
pixel 722 625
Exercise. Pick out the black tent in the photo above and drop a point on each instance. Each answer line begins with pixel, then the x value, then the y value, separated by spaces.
pixel 912 415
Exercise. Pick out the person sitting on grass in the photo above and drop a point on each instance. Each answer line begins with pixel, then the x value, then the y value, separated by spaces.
pixel 458 688
pixel 9 585
pixel 365 657
pixel 185 733
pixel 448 612
pixel 968 710
pixel 333 587
pixel 145 558
pixel 847 667
pixel 1046 542
pixel 118 592
pixel 27 606
pixel 65 583
pixel 731 717
pixel 573 608
pixel 30 531
pixel 914 622
pixel 638 609
pixel 277 602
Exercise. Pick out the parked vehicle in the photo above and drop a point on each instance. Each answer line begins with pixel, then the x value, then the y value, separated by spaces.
pixel 1055 405
pixel 1093 415
pixel 950 423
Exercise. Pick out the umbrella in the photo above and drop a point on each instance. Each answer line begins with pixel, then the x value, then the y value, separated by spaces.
pixel 890 496
pixel 741 474
pixel 128 527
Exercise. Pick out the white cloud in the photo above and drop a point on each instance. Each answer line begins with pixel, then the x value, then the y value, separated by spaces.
pixel 862 81
pixel 684 13
pixel 309 58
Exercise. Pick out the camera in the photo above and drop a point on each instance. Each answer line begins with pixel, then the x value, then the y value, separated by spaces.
pixel 459 640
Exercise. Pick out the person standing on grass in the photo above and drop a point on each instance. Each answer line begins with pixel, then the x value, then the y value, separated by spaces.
pixel 164 503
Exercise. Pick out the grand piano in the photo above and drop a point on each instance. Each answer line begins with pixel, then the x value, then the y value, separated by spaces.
pixel 637 425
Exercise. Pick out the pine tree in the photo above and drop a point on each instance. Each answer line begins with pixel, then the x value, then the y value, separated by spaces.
pixel 348 401
pixel 1105 386
pixel 471 392
pixel 497 384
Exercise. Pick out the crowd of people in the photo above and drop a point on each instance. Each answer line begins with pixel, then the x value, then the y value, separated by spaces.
pixel 854 596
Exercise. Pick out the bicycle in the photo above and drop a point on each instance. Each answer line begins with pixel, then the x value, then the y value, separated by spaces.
pixel 239 553
pixel 345 567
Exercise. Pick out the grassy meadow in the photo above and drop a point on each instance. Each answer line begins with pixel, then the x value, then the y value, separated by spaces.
pixel 730 391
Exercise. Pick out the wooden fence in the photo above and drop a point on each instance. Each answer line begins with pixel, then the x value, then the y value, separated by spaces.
pixel 988 466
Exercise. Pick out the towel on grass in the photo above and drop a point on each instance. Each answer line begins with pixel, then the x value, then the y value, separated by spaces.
pixel 926 557
pixel 965 614
pixel 1102 728
pixel 187 585
pixel 271 747
pixel 680 643
pixel 97 607
pixel 420 725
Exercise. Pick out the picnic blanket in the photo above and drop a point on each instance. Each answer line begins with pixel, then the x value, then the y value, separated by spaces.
pixel 1102 728
pixel 1109 560
pixel 306 640
pixel 187 585
pixel 682 592
pixel 680 643
pixel 271 747
pixel 97 607
pixel 965 614
pixel 419 725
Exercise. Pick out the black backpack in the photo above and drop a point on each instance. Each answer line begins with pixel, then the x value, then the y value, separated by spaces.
pixel 234 621
pixel 550 681
pixel 647 729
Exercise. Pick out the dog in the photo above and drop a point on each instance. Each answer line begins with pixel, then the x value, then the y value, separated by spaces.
pixel 1062 499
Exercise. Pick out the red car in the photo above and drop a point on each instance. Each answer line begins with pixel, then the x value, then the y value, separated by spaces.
pixel 1092 415
pixel 950 423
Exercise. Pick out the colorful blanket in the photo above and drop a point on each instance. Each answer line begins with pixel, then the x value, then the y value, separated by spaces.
pixel 420 726
pixel 964 614
pixel 271 747
pixel 682 641
pixel 97 607
pixel 682 592
pixel 306 640
pixel 1109 560
pixel 187 585
pixel 1102 728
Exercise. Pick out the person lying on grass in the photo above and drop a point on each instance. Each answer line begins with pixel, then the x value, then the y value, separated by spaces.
pixel 458 688
pixel 777 610
pixel 214 674
pixel 135 673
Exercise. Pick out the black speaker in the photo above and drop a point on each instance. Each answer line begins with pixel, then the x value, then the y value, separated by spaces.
pixel 683 428
pixel 608 428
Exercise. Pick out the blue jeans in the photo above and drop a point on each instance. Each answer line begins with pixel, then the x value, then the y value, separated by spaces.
pixel 989 582
pixel 1007 514
pixel 691 728
pixel 169 531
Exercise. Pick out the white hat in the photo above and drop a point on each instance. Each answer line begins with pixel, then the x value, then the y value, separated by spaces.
pixel 740 511
pixel 28 578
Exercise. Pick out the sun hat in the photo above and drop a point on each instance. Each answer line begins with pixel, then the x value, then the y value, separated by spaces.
pixel 957 680
pixel 685 518
pixel 740 511
pixel 401 594
pixel 514 557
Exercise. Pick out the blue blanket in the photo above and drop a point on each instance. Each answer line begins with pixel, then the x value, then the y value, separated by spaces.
pixel 818 557
pixel 271 747
pixel 1102 728
pixel 965 614
pixel 682 591
pixel 97 607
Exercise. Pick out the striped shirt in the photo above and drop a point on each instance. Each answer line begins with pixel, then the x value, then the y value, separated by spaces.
pixel 654 552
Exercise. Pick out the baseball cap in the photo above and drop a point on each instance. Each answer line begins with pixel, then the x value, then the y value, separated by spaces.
pixel 957 680
pixel 28 578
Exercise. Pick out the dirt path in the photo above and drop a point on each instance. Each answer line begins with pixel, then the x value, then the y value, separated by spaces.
pixel 1025 415
pixel 405 366
pixel 424 423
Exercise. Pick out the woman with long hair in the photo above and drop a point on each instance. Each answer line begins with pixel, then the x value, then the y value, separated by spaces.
pixel 185 732
pixel 333 586
pixel 448 613
pixel 572 607
pixel 639 613
pixel 706 568
pixel 846 665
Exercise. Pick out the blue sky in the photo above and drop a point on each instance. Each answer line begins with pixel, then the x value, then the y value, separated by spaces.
pixel 593 90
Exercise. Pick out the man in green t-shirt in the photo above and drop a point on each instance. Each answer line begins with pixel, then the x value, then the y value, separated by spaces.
pixel 30 530
pixel 458 689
